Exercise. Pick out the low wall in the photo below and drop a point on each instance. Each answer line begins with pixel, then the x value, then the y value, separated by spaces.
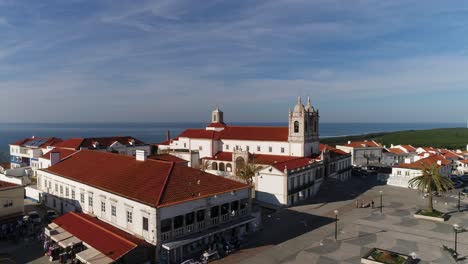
pixel 33 193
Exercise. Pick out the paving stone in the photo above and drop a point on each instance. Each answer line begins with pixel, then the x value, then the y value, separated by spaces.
pixel 363 239
pixel 400 213
pixel 329 246
pixel 407 222
pixel 327 260
pixel 405 247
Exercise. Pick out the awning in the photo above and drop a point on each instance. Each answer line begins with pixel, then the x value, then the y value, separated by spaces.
pixel 61 236
pixel 93 256
pixel 69 242
pixel 192 238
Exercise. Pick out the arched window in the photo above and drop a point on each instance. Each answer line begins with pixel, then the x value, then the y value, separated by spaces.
pixel 240 164
pixel 214 166
pixel 228 167
pixel 296 126
pixel 221 166
pixel 315 126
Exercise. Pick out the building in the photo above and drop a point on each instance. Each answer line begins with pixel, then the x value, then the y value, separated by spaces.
pixel 24 153
pixel 398 154
pixel 11 201
pixel 363 153
pixel 337 163
pixel 167 204
pixel 124 145
pixel 402 173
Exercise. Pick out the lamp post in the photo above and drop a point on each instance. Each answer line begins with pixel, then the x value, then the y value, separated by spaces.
pixel 381 205
pixel 456 229
pixel 336 224
pixel 458 204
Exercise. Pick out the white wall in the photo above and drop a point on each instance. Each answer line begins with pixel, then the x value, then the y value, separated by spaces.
pixel 122 204
pixel 14 199
pixel 271 187
pixel 401 176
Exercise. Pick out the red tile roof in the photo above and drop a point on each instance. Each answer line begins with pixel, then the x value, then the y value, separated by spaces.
pixel 422 163
pixel 260 159
pixel 77 143
pixel 452 155
pixel 48 141
pixel 63 153
pixel 105 238
pixel 6 166
pixel 364 144
pixel 331 149
pixel 465 161
pixel 293 164
pixel 153 182
pixel 259 133
pixel 167 157
pixel 396 151
pixel 7 185
pixel 409 148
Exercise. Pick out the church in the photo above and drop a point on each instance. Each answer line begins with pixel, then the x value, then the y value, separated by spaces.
pixel 289 162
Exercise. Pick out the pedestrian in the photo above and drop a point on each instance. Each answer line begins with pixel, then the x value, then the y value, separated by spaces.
pixel 372 203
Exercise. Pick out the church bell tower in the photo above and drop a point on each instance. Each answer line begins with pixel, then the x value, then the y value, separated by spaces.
pixel 304 129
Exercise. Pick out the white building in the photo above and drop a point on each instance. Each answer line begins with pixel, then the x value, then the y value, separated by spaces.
pixel 402 173
pixel 363 153
pixel 25 152
pixel 289 158
pixel 11 201
pixel 399 154
pixel 168 204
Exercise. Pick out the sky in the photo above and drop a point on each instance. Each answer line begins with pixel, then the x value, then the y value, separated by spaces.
pixel 175 60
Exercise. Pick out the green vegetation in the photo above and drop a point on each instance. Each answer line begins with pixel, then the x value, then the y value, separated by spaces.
pixel 388 257
pixel 434 213
pixel 431 181
pixel 452 138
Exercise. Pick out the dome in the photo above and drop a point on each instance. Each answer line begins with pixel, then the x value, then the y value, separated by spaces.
pixel 309 106
pixel 299 106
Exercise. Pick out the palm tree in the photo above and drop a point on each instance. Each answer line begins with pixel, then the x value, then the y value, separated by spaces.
pixel 248 172
pixel 431 181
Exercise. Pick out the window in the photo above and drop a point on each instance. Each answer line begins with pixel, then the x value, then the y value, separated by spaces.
pixel 214 166
pixel 227 147
pixel 185 145
pixel 56 187
pixel 282 150
pixel 247 148
pixel 90 200
pixel 178 221
pixel 166 225
pixel 82 197
pixel 235 206
pixel 258 148
pixel 129 217
pixel 145 223
pixel 73 195
pixel 113 210
pixel 55 203
pixel 200 215
pixel 200 148
pixel 67 192
pixel 296 126
pixel 8 203
pixel 270 149
pixel 214 211
pixel 398 172
pixel 224 209
pixel 61 190
pixel 189 218
pixel 103 206
pixel 406 173
pixel 221 166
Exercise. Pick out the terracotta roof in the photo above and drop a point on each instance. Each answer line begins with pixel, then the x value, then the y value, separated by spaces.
pixel 396 151
pixel 153 182
pixel 409 148
pixel 105 238
pixel 6 166
pixel 331 149
pixel 465 161
pixel 63 153
pixel 363 144
pixel 7 185
pixel 167 157
pixel 77 143
pixel 166 143
pixel 420 164
pixel 259 133
pixel 260 159
pixel 450 154
pixel 47 141
pixel 218 124
pixel 293 164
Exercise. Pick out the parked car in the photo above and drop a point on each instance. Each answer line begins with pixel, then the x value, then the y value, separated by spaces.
pixel 51 215
pixel 458 184
pixel 210 255
pixel 34 217
pixel 464 191
pixel 454 178
pixel 464 178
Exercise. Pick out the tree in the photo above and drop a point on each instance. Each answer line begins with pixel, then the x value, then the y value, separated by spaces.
pixel 248 172
pixel 431 181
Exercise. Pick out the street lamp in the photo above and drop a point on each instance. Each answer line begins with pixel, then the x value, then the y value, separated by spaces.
pixel 381 205
pixel 456 229
pixel 336 224
pixel 458 204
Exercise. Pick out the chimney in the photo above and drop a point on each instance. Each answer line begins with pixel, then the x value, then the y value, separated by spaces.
pixel 140 155
pixel 391 145
pixel 168 135
pixel 349 142
pixel 54 158
pixel 439 162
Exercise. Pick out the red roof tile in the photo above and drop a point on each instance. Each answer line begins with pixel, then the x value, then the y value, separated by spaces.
pixel 47 141
pixel 409 148
pixel 331 149
pixel 63 153
pixel 6 166
pixel 363 144
pixel 449 154
pixel 260 159
pixel 429 161
pixel 153 182
pixel 465 161
pixel 397 151
pixel 105 238
pixel 167 157
pixel 77 143
pixel 200 134
pixel 72 143
pixel 259 133
pixel 7 185
pixel 293 164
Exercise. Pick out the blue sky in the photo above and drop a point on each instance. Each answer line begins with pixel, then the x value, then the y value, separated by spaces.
pixel 147 61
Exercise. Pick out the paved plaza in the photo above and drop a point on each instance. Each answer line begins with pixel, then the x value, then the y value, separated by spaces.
pixel 360 229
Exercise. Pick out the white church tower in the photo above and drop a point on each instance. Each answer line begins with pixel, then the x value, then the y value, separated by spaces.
pixel 304 129
pixel 217 120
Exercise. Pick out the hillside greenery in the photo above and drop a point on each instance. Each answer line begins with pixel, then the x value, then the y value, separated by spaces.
pixel 451 138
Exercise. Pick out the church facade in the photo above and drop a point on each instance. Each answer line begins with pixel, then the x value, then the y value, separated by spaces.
pixel 290 163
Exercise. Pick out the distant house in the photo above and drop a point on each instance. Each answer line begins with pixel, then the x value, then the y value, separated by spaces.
pixel 399 154
pixel 402 173
pixel 11 201
pixel 363 153
pixel 25 152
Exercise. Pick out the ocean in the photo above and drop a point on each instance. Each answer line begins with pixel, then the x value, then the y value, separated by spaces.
pixel 156 132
